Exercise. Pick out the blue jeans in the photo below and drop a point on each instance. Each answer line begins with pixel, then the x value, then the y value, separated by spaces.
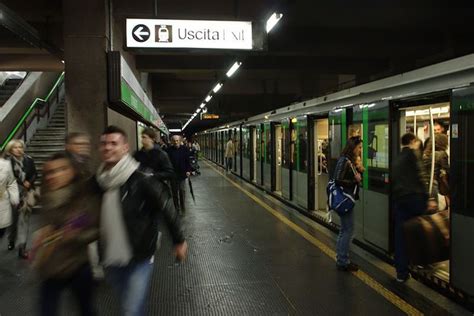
pixel 132 284
pixel 405 209
pixel 344 239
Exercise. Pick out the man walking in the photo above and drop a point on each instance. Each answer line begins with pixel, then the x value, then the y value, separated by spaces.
pixel 131 204
pixel 152 158
pixel 179 156
pixel 409 196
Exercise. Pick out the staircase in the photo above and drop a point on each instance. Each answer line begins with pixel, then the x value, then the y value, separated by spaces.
pixel 48 141
pixel 7 89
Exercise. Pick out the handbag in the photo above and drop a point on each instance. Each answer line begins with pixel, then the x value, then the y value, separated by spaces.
pixel 427 238
pixel 443 182
pixel 338 200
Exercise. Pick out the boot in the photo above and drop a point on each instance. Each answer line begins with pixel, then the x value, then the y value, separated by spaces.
pixel 22 253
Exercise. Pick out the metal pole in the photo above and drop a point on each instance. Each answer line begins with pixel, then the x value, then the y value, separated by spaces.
pixel 415 129
pixel 432 152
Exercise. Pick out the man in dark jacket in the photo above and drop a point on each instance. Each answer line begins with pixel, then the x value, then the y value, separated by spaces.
pixel 409 197
pixel 152 158
pixel 179 157
pixel 129 218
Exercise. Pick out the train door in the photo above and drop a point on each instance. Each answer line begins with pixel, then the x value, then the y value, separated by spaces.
pixel 255 153
pixel 287 158
pixel 371 123
pixel 429 118
pixel 462 188
pixel 278 159
pixel 320 147
pixel 267 156
pixel 247 155
pixel 300 155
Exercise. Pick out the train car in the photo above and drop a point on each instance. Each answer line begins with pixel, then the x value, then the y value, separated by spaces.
pixel 291 153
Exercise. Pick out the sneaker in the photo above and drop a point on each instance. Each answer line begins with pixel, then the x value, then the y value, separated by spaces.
pixel 351 267
pixel 402 279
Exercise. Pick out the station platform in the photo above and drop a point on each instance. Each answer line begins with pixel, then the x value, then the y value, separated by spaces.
pixel 248 255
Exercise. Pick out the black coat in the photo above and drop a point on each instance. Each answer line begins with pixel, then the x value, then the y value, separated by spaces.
pixel 156 161
pixel 29 168
pixel 144 199
pixel 180 159
pixel 407 176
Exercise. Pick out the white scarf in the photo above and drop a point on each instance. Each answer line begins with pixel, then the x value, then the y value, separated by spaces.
pixel 116 176
pixel 118 251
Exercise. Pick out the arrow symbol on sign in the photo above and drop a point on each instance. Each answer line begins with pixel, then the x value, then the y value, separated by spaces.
pixel 139 33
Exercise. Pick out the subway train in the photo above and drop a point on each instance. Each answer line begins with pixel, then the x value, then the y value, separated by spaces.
pixel 291 153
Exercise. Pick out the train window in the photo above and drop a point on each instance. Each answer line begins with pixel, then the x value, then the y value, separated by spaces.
pixel 378 143
pixel 259 145
pixel 245 142
pixel 268 144
pixel 302 145
pixel 286 140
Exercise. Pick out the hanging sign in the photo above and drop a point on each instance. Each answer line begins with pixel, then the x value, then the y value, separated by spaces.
pixel 154 33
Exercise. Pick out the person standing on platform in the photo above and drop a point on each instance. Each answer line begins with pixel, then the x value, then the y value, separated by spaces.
pixel 229 154
pixel 78 146
pixel 131 204
pixel 348 177
pixel 179 156
pixel 9 195
pixel 25 173
pixel 409 196
pixel 69 223
pixel 152 158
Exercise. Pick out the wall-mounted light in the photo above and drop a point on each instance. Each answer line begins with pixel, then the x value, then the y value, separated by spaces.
pixel 233 69
pixel 272 21
pixel 217 88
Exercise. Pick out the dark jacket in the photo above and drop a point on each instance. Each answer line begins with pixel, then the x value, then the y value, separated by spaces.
pixel 143 199
pixel 29 168
pixel 441 162
pixel 180 159
pixel 156 161
pixel 344 176
pixel 408 176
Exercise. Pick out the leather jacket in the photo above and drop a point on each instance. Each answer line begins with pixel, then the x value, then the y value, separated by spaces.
pixel 144 198
pixel 344 176
pixel 155 161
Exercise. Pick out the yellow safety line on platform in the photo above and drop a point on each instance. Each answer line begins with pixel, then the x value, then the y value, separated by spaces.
pixel 364 277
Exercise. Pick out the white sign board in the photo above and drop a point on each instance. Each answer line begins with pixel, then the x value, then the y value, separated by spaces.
pixel 154 33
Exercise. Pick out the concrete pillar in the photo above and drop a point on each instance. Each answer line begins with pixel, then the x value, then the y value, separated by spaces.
pixel 85 47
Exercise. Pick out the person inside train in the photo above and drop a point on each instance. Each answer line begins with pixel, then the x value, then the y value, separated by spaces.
pixel 347 176
pixel 409 197
pixel 440 128
pixel 440 171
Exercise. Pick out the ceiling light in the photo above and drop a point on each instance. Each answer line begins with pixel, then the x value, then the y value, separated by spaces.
pixel 62 61
pixel 208 98
pixel 217 87
pixel 175 130
pixel 198 110
pixel 233 69
pixel 273 20
pixel 202 105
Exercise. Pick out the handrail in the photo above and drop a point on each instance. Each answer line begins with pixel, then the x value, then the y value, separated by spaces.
pixel 23 121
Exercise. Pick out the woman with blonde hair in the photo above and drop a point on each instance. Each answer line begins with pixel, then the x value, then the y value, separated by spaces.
pixel 24 171
pixel 9 196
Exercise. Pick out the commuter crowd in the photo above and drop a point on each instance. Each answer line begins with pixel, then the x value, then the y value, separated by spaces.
pixel 96 221
pixel 419 186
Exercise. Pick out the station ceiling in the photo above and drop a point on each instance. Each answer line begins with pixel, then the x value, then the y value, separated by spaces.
pixel 318 47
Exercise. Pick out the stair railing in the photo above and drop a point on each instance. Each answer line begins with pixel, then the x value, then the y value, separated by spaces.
pixel 40 108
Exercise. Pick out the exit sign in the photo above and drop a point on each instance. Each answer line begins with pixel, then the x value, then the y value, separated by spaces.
pixel 208 116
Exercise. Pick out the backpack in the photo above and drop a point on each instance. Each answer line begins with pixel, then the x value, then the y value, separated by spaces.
pixel 338 200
